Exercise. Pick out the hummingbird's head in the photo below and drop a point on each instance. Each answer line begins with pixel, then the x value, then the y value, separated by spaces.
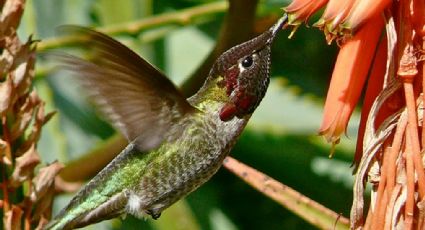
pixel 245 73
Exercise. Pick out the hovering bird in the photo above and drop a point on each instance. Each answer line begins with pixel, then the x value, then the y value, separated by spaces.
pixel 176 144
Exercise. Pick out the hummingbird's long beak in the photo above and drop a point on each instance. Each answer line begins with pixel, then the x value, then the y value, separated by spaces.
pixel 277 27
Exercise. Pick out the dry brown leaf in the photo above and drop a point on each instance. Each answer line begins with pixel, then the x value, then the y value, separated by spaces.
pixel 23 52
pixel 23 72
pixel 6 59
pixel 26 113
pixel 6 89
pixel 24 168
pixel 374 175
pixel 3 63
pixel 42 223
pixel 40 115
pixel 35 99
pixel 44 189
pixel 44 205
pixel 23 108
pixel 24 116
pixel 12 218
pixel 3 146
pixel 12 45
pixel 11 15
pixel 48 116
pixel 38 121
pixel 21 68
pixel 45 179
pixel 5 154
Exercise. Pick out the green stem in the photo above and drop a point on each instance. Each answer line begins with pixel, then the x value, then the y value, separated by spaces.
pixel 183 17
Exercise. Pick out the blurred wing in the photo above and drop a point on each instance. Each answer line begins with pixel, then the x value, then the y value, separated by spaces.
pixel 135 96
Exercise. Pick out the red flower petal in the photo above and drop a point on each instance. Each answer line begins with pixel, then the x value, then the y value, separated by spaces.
pixel 348 78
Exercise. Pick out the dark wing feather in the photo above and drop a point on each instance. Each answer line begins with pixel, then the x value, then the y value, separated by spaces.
pixel 135 96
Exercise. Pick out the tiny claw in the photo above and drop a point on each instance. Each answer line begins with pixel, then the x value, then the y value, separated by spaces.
pixel 153 214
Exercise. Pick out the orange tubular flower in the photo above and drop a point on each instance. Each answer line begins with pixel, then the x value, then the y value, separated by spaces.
pixel 335 12
pixel 363 10
pixel 300 11
pixel 374 87
pixel 348 77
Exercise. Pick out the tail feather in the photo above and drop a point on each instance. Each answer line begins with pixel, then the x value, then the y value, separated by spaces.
pixel 78 217
pixel 99 200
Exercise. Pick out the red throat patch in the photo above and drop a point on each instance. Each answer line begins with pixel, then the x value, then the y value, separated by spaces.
pixel 240 101
pixel 231 78
pixel 244 102
pixel 228 112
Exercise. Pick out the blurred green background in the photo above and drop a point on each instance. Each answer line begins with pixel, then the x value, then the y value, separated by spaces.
pixel 281 139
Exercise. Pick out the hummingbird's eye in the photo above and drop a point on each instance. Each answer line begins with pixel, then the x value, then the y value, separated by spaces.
pixel 247 62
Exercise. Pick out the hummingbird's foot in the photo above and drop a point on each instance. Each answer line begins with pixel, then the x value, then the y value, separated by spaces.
pixel 153 214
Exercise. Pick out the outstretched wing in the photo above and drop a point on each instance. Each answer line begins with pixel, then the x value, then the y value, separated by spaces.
pixel 135 96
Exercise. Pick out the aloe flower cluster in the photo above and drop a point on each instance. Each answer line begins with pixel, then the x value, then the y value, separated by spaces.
pixel 26 192
pixel 382 43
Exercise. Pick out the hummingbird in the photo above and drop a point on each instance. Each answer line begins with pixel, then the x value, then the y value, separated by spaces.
pixel 175 144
